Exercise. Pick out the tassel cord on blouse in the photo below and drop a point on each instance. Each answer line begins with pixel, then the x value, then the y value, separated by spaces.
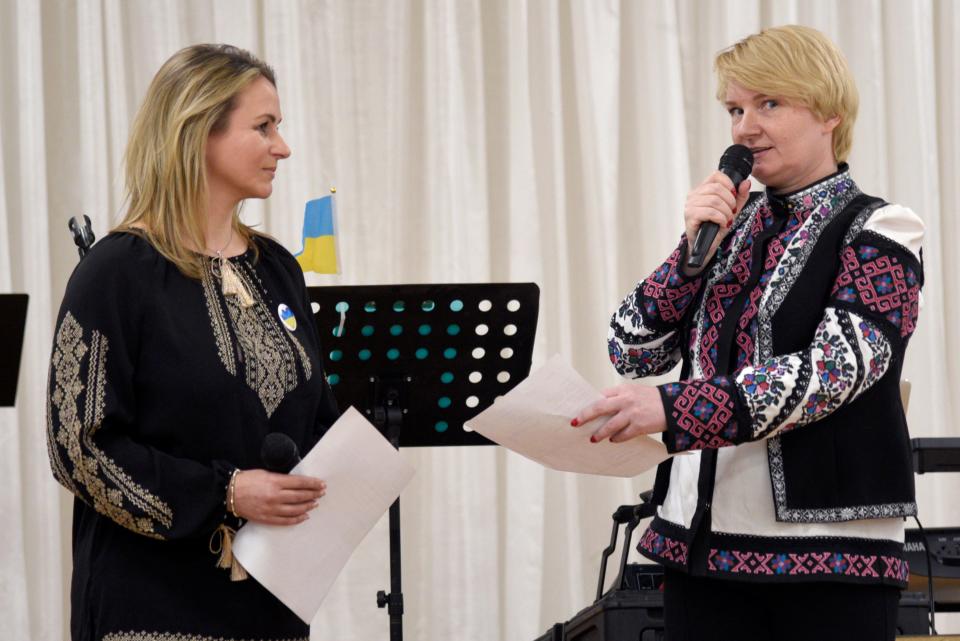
pixel 231 284
pixel 221 542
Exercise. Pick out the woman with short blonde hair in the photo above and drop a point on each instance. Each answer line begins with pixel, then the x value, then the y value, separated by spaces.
pixel 183 339
pixel 798 63
pixel 784 520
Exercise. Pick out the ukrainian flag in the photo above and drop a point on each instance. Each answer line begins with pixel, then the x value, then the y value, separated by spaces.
pixel 319 252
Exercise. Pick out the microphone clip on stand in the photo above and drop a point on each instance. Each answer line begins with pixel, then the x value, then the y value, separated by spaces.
pixel 82 234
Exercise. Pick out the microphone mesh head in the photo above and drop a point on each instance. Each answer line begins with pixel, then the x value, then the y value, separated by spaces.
pixel 279 452
pixel 737 159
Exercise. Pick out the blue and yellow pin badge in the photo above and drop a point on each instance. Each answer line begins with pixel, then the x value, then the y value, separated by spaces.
pixel 286 317
pixel 319 253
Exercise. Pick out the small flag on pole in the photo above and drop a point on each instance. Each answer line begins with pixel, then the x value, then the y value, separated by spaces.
pixel 319 253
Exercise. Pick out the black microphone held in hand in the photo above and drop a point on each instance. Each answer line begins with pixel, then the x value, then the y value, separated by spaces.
pixel 737 163
pixel 279 453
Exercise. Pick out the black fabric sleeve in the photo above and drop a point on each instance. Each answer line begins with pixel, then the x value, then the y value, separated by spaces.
pixel 92 410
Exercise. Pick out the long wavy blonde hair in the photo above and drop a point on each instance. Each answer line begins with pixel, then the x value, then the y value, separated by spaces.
pixel 191 96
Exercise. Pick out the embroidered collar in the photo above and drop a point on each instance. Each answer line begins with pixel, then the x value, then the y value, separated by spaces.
pixel 803 201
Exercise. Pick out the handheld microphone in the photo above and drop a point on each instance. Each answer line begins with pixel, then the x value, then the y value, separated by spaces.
pixel 279 453
pixel 737 163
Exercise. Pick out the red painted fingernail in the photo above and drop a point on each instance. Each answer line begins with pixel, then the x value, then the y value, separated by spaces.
pixel 593 439
pixel 575 422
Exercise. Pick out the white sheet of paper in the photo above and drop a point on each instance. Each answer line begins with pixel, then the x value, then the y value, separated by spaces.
pixel 364 475
pixel 533 419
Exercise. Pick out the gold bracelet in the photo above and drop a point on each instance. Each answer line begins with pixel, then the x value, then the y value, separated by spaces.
pixel 232 493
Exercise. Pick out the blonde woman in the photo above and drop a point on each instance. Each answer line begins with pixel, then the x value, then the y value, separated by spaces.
pixel 184 338
pixel 785 518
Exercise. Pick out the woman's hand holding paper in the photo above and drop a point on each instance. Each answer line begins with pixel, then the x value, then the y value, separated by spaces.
pixel 633 410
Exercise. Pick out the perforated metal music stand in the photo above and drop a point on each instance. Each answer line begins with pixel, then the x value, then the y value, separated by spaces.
pixel 419 361
pixel 13 319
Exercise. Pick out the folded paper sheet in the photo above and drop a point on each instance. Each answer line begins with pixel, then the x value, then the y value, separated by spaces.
pixel 364 475
pixel 533 419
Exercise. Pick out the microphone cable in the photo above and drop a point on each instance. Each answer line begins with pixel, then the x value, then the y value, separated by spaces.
pixel 931 615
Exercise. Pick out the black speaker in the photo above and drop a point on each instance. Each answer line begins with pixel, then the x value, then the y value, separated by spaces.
pixel 634 615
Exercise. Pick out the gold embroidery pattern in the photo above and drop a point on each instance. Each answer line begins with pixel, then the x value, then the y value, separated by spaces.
pixel 176 636
pixel 221 333
pixel 290 336
pixel 268 359
pixel 304 359
pixel 99 480
pixel 56 463
pixel 268 351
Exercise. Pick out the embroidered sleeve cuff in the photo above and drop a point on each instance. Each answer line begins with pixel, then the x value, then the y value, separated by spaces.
pixel 665 296
pixel 655 357
pixel 703 414
pixel 644 338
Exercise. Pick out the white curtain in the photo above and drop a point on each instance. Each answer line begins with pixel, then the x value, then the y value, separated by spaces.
pixel 469 141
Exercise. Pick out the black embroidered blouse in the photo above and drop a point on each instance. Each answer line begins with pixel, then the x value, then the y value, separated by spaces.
pixel 797 462
pixel 159 388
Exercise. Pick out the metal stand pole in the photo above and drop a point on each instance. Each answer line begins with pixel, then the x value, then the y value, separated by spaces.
pixel 393 416
pixel 394 601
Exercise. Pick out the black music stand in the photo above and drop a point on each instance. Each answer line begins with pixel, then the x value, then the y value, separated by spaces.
pixel 13 319
pixel 419 361
pixel 931 455
pixel 936 454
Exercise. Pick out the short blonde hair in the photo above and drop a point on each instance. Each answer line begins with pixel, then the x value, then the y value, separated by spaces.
pixel 191 96
pixel 798 63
